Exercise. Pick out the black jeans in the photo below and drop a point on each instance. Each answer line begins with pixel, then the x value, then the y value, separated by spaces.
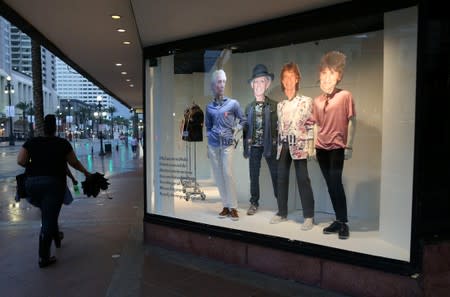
pixel 303 183
pixel 331 164
pixel 256 153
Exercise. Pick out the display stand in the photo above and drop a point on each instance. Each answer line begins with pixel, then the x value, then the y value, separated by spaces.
pixel 192 131
pixel 191 188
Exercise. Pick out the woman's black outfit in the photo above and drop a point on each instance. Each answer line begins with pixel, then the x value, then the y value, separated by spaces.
pixel 46 184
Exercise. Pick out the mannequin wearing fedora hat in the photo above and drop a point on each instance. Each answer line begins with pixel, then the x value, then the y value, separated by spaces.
pixel 260 133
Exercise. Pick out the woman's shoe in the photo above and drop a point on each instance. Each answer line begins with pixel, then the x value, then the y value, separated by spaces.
pixel 47 262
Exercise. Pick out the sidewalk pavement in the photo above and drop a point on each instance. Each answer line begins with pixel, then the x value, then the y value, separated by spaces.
pixel 103 254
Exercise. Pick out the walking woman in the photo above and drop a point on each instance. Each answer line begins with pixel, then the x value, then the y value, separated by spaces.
pixel 45 160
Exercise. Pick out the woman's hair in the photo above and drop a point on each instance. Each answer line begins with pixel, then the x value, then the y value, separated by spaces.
pixel 50 125
pixel 291 66
pixel 333 60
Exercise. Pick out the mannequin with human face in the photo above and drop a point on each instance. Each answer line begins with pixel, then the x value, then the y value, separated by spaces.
pixel 218 84
pixel 290 81
pixel 334 115
pixel 329 78
pixel 259 86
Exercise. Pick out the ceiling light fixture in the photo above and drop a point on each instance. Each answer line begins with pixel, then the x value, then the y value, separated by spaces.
pixel 121 30
pixel 115 16
pixel 131 86
pixel 128 80
pixel 126 42
pixel 123 73
pixel 118 64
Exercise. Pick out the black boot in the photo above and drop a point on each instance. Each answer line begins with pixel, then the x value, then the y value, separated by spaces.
pixel 333 228
pixel 45 242
pixel 57 238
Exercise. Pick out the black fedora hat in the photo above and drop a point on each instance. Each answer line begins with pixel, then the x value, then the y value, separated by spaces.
pixel 260 70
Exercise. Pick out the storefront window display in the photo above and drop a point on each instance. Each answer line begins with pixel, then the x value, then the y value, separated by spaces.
pixel 227 178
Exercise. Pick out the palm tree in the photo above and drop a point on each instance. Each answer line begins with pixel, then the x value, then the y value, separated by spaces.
pixel 36 66
pixel 112 110
pixel 121 122
pixel 84 115
pixel 31 113
pixel 24 107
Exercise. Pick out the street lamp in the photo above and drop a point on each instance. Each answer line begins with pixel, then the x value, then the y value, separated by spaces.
pixel 135 128
pixel 31 119
pixel 58 121
pixel 69 107
pixel 99 115
pixel 9 89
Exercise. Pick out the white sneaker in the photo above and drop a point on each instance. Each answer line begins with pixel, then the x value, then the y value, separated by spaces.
pixel 277 219
pixel 308 224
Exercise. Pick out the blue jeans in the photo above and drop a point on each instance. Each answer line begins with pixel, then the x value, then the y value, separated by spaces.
pixel 48 193
pixel 303 183
pixel 331 164
pixel 255 156
pixel 221 159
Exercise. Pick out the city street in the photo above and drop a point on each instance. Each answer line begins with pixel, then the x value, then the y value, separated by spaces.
pixel 115 162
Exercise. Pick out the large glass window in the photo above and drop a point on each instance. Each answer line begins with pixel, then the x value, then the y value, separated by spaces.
pixel 380 73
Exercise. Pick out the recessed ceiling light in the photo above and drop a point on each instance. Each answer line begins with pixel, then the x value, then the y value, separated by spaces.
pixel 121 30
pixel 123 73
pixel 128 80
pixel 118 64
pixel 126 42
pixel 115 16
pixel 131 86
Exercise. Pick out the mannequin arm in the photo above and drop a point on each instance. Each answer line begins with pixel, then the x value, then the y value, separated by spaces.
pixel 350 136
pixel 312 143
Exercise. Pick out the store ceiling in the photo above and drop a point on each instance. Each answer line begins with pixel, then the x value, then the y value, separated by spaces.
pixel 83 33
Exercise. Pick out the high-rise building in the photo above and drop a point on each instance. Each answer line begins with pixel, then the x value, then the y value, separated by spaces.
pixel 21 62
pixel 59 81
pixel 16 62
pixel 5 48
pixel 72 85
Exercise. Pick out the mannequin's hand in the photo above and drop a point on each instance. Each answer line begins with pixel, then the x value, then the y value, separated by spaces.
pixel 312 153
pixel 348 154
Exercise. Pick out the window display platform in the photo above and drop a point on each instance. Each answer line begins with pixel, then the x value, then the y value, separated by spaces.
pixel 364 235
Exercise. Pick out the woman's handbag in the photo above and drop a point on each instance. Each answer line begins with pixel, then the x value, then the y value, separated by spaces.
pixel 21 191
pixel 68 198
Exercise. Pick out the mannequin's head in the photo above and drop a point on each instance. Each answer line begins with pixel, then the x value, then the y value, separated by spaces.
pixel 290 74
pixel 260 80
pixel 331 70
pixel 218 81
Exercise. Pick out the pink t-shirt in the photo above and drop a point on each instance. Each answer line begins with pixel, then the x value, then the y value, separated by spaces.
pixel 333 120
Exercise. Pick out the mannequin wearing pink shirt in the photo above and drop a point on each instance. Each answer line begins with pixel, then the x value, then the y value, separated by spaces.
pixel 334 129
